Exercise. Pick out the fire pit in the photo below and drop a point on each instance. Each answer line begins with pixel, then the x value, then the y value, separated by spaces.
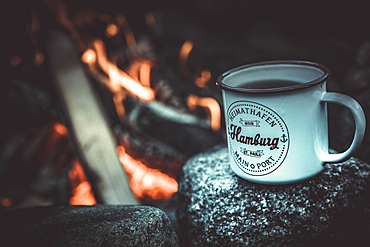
pixel 157 124
pixel 151 69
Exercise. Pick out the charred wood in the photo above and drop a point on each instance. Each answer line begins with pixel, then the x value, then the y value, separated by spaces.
pixel 154 153
pixel 34 167
pixel 184 132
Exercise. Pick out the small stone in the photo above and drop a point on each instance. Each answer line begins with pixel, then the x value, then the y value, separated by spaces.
pixel 99 225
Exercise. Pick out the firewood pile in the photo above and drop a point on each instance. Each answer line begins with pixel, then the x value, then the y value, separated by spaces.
pixel 153 136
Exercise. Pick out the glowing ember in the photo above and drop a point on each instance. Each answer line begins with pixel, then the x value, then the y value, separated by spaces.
pixel 147 182
pixel 118 77
pixel 210 105
pixel 149 19
pixel 14 61
pixel 82 193
pixel 139 70
pixel 134 68
pixel 111 30
pixel 205 76
pixel 145 74
pixel 89 56
pixel 39 58
pixel 61 129
pixel 183 57
pixel 120 109
pixel 5 202
pixel 186 49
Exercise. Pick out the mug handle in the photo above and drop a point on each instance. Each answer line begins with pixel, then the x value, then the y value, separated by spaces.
pixel 360 124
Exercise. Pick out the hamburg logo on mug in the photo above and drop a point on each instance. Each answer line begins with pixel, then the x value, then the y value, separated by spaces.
pixel 258 136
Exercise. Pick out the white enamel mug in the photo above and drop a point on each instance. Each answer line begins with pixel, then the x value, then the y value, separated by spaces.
pixel 279 134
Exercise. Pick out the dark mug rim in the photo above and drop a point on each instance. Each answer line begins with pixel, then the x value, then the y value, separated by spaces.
pixel 324 77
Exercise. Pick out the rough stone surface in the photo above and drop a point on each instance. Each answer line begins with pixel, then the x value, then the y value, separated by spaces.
pixel 100 225
pixel 217 208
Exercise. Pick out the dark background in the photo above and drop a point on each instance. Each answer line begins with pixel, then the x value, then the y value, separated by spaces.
pixel 305 19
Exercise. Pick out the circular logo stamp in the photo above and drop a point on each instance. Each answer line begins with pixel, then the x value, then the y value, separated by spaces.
pixel 258 137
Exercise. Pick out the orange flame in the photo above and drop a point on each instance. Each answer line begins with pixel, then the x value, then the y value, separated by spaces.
pixel 82 193
pixel 119 78
pixel 14 61
pixel 5 202
pixel 145 181
pixel 39 57
pixel 145 74
pixel 183 57
pixel 60 129
pixel 139 70
pixel 205 76
pixel 111 30
pixel 126 29
pixel 89 56
pixel 134 68
pixel 120 109
pixel 212 107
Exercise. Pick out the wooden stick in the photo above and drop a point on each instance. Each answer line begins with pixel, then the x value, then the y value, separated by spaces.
pixel 87 122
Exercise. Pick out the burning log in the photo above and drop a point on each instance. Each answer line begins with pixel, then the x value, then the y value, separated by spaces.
pixel 82 194
pixel 154 153
pixel 143 49
pixel 184 132
pixel 145 182
pixel 34 166
pixel 87 123
pixel 26 154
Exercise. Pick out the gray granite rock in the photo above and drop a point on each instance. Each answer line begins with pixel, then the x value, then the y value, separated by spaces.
pixel 217 208
pixel 99 225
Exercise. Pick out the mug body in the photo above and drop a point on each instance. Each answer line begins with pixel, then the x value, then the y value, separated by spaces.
pixel 276 134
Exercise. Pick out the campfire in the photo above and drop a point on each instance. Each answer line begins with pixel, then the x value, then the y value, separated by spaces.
pixel 161 109
pixel 152 73
pixel 105 102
